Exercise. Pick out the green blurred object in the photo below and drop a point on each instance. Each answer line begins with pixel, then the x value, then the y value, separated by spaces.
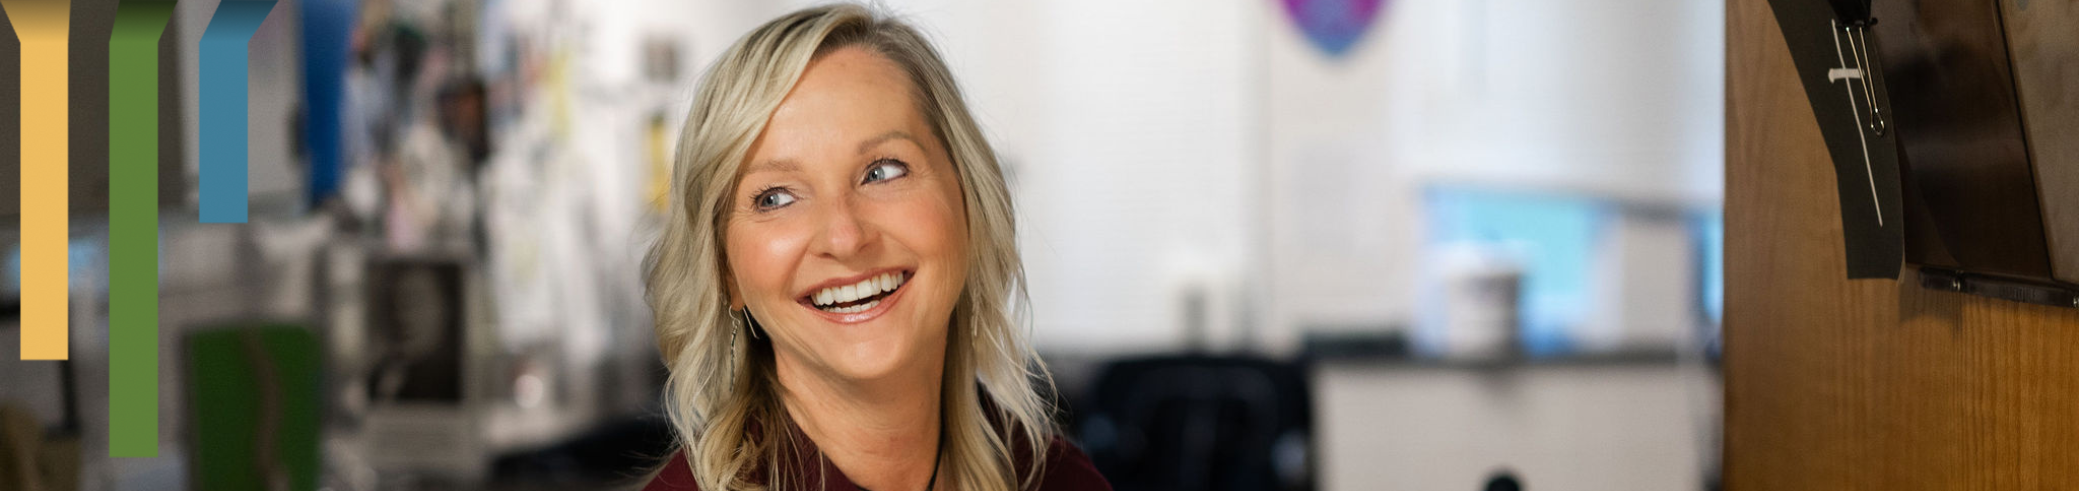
pixel 254 397
pixel 133 227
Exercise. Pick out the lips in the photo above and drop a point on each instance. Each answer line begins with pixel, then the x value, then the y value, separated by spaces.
pixel 856 298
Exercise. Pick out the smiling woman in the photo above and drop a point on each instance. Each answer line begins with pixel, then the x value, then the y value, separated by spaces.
pixel 834 291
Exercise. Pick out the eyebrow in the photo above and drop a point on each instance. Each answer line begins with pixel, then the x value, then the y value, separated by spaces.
pixel 789 165
pixel 776 165
pixel 869 143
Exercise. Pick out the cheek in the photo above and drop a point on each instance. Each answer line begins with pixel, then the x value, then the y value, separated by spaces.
pixel 936 230
pixel 763 257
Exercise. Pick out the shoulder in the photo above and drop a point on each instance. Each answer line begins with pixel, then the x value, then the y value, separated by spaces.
pixel 1067 468
pixel 676 476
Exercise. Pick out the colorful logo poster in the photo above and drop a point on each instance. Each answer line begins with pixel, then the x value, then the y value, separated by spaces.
pixel 1333 26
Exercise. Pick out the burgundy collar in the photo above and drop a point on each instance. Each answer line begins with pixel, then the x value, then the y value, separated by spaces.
pixel 1066 468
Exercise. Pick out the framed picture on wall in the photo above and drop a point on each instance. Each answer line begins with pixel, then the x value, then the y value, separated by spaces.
pixel 415 333
pixel 416 370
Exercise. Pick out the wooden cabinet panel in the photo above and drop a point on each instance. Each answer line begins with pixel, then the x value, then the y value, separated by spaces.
pixel 1834 384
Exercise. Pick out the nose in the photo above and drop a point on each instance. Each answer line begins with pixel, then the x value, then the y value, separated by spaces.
pixel 844 233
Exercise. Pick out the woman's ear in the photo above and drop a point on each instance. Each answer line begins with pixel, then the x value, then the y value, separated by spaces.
pixel 736 299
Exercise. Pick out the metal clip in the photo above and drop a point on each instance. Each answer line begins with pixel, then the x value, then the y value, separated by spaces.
pixel 1859 44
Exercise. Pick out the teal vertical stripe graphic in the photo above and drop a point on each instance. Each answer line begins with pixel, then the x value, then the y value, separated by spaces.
pixel 133 227
pixel 223 107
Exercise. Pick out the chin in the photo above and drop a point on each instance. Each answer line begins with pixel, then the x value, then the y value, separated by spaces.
pixel 891 345
pixel 874 360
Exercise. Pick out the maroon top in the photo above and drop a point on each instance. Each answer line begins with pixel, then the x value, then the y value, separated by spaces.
pixel 1067 469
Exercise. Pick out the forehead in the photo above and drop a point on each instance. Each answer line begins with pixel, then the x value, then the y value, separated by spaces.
pixel 845 93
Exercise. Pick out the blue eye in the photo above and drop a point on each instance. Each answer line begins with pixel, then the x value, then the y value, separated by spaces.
pixel 772 198
pixel 886 169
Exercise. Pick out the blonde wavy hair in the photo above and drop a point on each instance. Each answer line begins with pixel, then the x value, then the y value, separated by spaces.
pixel 723 380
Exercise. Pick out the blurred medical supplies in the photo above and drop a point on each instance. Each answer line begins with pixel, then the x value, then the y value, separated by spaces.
pixel 1474 316
pixel 1574 274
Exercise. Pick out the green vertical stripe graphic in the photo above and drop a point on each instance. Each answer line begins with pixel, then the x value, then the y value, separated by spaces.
pixel 133 227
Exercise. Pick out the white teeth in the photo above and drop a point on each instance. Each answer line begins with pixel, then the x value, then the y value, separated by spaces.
pixel 875 285
pixel 853 309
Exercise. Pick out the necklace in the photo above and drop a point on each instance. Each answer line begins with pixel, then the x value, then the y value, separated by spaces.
pixel 933 483
pixel 936 459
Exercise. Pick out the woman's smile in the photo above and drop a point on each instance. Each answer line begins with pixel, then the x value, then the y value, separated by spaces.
pixel 858 298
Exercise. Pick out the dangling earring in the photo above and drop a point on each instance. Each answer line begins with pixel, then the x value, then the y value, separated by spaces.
pixel 742 322
pixel 750 324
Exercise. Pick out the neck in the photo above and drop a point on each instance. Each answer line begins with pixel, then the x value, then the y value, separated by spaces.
pixel 883 434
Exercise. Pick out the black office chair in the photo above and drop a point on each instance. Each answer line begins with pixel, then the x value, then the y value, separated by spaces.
pixel 1200 423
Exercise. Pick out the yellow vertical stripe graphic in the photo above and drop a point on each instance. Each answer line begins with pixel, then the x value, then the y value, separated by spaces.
pixel 43 27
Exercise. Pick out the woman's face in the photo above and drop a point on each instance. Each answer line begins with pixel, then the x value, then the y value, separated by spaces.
pixel 846 236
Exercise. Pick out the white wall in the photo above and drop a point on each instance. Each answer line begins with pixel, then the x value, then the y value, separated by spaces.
pixel 1136 183
pixel 1613 98
pixel 1344 218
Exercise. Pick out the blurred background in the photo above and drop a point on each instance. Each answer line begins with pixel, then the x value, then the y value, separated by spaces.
pixel 1272 244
